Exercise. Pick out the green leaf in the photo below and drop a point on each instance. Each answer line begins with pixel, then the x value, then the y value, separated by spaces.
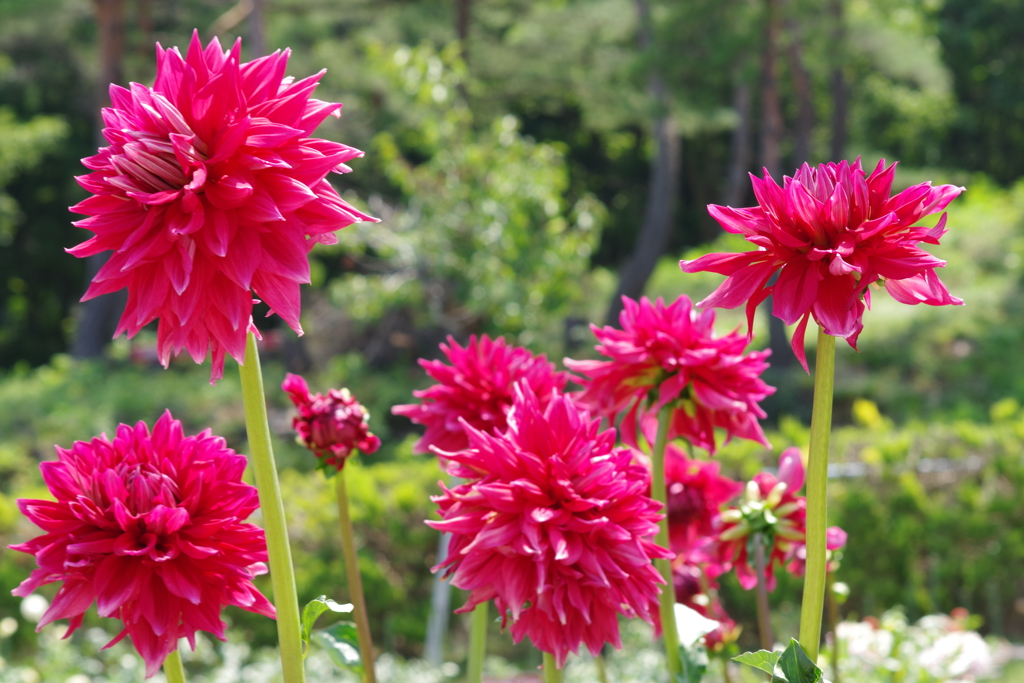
pixel 762 659
pixel 797 666
pixel 312 611
pixel 342 644
pixel 694 661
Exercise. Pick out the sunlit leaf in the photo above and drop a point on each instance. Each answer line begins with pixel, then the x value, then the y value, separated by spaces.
pixel 312 611
pixel 342 645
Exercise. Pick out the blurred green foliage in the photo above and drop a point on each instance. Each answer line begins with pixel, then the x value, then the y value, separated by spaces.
pixel 486 242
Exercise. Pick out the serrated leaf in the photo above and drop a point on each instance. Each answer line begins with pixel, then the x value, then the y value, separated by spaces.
pixel 342 645
pixel 762 659
pixel 797 666
pixel 312 611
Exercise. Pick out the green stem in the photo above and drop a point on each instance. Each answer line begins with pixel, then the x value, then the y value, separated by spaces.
pixel 602 668
pixel 552 674
pixel 764 621
pixel 173 669
pixel 667 599
pixel 355 582
pixel 817 485
pixel 833 622
pixel 282 576
pixel 477 643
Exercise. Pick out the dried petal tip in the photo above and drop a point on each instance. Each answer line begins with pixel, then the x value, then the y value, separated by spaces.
pixel 556 528
pixel 332 426
pixel 212 189
pixel 150 526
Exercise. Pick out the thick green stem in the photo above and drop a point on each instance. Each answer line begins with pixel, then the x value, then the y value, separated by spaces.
pixel 667 599
pixel 355 582
pixel 477 643
pixel 282 576
pixel 764 620
pixel 173 669
pixel 552 674
pixel 817 485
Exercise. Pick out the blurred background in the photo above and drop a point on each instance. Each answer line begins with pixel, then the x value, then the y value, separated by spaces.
pixel 531 162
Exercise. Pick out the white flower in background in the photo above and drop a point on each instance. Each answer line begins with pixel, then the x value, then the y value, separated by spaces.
pixel 33 607
pixel 937 649
pixel 958 656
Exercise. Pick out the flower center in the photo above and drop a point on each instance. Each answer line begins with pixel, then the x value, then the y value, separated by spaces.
pixel 147 487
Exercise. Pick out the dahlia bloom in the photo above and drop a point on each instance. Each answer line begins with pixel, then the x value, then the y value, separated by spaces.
pixel 150 526
pixel 668 354
pixel 477 388
pixel 696 493
pixel 555 526
pixel 772 509
pixel 830 232
pixel 332 426
pixel 212 189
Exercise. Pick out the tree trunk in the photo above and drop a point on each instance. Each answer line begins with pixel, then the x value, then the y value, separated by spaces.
pixel 144 19
pixel 656 230
pixel 462 15
pixel 839 94
pixel 737 183
pixel 771 110
pixel 771 138
pixel 257 30
pixel 97 318
pixel 805 106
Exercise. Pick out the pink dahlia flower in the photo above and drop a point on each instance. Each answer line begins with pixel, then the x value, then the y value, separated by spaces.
pixel 830 232
pixel 150 526
pixel 212 189
pixel 696 494
pixel 477 388
pixel 668 354
pixel 332 426
pixel 556 527
pixel 772 508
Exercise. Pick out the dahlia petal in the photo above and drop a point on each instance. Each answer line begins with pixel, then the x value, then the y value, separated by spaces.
pixel 114 583
pixel 243 258
pixel 229 140
pixel 739 221
pixel 265 133
pixel 723 264
pixel 229 192
pixel 791 469
pixel 795 290
pixel 769 195
pixel 741 286
pixel 315 114
pixel 289 194
pixel 899 262
pixel 281 294
pixel 924 288
pixel 224 226
pixel 73 598
pixel 837 307
pixel 797 342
